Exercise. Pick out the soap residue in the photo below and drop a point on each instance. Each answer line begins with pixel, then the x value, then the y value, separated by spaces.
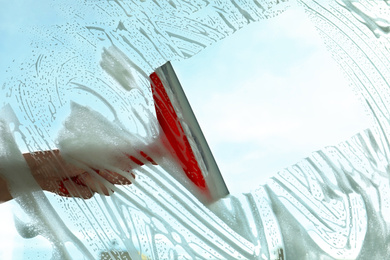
pixel 332 205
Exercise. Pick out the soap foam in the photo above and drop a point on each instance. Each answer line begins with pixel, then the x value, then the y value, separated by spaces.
pixel 88 137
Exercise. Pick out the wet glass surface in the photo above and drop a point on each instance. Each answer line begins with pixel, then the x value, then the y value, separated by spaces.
pixel 84 157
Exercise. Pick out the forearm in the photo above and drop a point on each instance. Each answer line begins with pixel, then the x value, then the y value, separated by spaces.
pixel 4 192
pixel 39 164
pixel 4 188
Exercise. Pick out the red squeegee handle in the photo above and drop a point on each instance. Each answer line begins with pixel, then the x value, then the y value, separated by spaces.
pixel 174 133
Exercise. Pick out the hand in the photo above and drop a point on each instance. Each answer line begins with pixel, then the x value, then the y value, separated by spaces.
pixel 54 174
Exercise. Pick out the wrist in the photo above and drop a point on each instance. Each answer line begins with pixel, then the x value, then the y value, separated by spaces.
pixel 5 195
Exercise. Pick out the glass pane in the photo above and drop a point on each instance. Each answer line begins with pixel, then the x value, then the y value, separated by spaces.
pixel 98 162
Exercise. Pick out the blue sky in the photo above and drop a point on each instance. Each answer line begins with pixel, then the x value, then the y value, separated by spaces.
pixel 268 96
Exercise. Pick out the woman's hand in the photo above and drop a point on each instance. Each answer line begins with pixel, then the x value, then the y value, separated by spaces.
pixel 54 174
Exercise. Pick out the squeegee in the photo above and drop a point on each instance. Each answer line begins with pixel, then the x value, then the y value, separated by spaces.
pixel 184 137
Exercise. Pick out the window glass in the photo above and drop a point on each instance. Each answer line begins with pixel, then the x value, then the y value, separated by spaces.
pixel 90 167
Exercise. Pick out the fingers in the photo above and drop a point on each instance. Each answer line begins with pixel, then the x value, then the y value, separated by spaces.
pixel 82 186
pixel 55 175
pixel 95 184
pixel 86 185
pixel 115 178
pixel 141 161
pixel 68 188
